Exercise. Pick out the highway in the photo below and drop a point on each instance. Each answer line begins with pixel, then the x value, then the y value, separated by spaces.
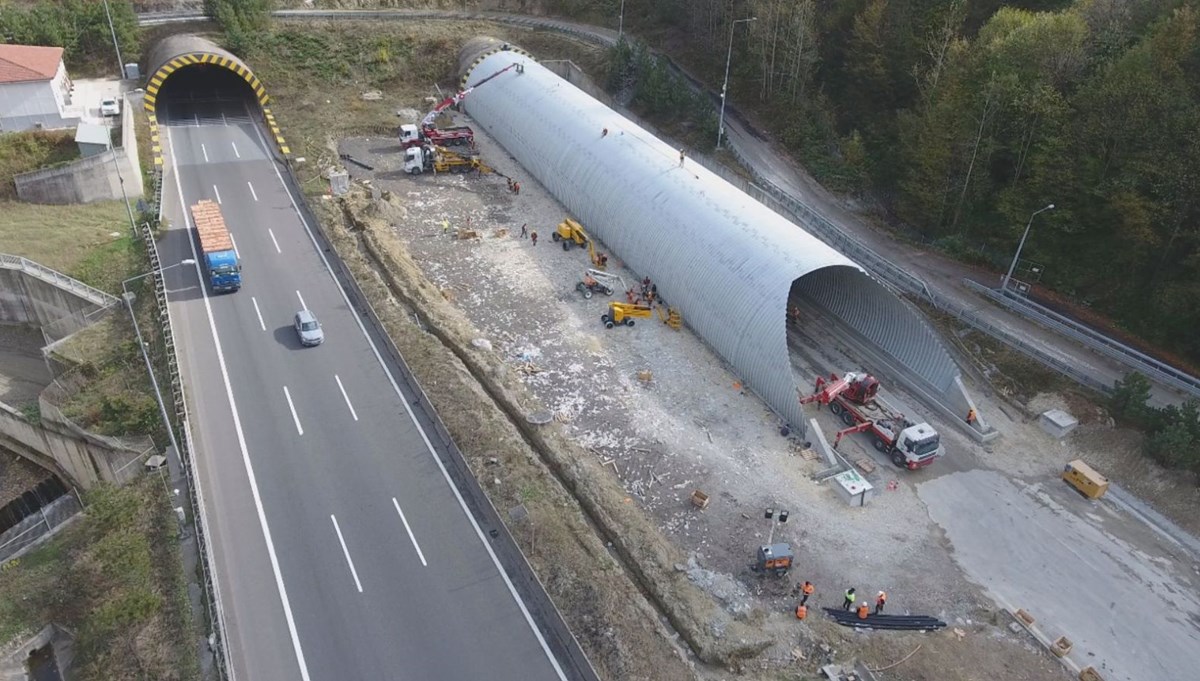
pixel 343 552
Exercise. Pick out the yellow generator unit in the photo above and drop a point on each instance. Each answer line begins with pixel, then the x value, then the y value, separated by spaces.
pixel 1085 479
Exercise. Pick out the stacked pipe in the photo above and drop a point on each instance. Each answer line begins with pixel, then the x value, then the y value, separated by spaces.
pixel 903 622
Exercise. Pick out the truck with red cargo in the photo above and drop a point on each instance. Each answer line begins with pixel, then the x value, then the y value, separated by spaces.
pixel 855 398
pixel 220 256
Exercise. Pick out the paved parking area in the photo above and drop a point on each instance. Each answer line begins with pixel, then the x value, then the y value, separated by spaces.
pixel 1126 598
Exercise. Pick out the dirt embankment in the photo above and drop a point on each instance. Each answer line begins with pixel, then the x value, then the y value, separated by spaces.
pixel 484 406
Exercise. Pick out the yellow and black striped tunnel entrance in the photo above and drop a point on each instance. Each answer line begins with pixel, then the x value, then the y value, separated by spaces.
pixel 180 51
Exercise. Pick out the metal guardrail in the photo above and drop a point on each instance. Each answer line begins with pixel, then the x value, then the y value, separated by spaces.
pixel 94 295
pixel 187 461
pixel 1091 338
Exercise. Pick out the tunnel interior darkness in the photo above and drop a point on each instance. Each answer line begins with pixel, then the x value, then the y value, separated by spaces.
pixel 204 91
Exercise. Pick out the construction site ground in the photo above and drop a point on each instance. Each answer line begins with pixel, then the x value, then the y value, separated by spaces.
pixel 982 530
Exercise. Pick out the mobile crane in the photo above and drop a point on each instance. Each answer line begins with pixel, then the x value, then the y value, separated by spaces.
pixel 435 159
pixel 855 398
pixel 429 133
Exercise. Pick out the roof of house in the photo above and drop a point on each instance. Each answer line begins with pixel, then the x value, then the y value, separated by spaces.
pixel 28 63
pixel 90 133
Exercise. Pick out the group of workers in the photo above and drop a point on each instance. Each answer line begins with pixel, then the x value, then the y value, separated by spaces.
pixel 863 610
pixel 646 296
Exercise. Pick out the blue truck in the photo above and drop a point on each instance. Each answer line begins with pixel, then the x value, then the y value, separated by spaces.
pixel 220 257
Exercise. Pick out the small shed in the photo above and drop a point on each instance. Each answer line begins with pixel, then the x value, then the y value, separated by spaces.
pixel 92 139
pixel 853 488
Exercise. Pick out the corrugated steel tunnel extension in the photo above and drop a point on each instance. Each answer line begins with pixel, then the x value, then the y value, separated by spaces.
pixel 725 260
pixel 177 52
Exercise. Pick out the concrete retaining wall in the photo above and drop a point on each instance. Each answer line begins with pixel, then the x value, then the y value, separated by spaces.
pixel 95 178
pixel 78 456
pixel 47 299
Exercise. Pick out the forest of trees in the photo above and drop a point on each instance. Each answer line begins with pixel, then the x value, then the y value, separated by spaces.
pixel 80 27
pixel 959 118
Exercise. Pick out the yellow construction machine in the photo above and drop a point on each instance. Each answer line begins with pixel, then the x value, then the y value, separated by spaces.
pixel 570 233
pixel 441 160
pixel 625 313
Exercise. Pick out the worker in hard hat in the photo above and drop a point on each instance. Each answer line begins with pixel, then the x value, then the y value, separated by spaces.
pixel 849 600
pixel 880 600
pixel 801 611
pixel 864 610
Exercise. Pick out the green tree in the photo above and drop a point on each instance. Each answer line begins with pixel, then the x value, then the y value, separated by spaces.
pixel 1130 398
pixel 244 22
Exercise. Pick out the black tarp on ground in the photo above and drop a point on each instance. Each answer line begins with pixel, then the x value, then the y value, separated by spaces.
pixel 903 622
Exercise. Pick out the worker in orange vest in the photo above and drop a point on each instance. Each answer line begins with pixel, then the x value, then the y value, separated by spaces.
pixel 971 416
pixel 879 601
pixel 801 611
pixel 806 590
pixel 863 610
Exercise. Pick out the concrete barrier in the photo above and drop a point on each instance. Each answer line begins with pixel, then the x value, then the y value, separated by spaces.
pixel 39 296
pixel 95 178
pixel 58 444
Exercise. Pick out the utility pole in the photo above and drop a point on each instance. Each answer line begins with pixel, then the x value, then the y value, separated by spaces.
pixel 725 87
pixel 621 22
pixel 121 180
pixel 116 46
pixel 129 296
pixel 1017 255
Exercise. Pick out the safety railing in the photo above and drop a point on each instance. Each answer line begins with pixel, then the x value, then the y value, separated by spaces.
pixel 1047 318
pixel 93 295
pixel 187 460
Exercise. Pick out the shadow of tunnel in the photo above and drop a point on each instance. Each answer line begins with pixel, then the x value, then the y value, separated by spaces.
pixel 205 94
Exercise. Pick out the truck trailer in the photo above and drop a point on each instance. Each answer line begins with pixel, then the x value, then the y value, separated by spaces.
pixel 855 398
pixel 220 257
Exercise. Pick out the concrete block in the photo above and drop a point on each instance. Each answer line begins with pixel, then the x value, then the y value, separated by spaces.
pixel 1057 423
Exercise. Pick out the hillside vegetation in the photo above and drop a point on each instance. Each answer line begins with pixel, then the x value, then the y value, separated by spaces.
pixel 961 118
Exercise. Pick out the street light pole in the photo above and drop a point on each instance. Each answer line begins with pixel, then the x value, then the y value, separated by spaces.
pixel 162 408
pixel 621 22
pixel 1017 255
pixel 725 86
pixel 116 46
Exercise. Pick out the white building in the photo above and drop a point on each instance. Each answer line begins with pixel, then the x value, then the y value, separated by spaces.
pixel 35 90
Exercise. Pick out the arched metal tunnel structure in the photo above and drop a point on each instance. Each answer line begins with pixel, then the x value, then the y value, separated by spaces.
pixel 178 54
pixel 725 260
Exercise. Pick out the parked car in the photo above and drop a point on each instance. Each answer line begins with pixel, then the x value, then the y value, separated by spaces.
pixel 308 328
pixel 109 106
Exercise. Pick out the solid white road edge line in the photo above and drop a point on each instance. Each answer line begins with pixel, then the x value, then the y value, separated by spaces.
pixel 259 313
pixel 217 192
pixel 345 397
pixel 346 552
pixel 408 529
pixel 288 395
pixel 273 240
pixel 252 192
pixel 241 436
pixel 403 400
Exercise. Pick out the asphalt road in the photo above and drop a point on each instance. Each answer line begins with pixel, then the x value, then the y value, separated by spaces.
pixel 342 550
